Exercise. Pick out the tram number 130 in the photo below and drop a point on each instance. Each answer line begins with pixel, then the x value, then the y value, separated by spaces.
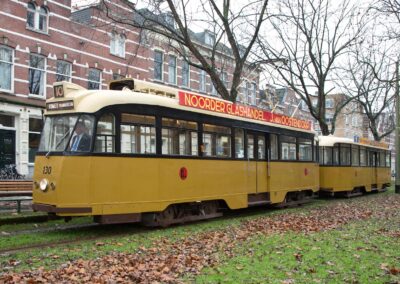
pixel 46 170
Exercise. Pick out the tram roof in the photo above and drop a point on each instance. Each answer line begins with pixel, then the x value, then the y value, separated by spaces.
pixel 330 141
pixel 91 101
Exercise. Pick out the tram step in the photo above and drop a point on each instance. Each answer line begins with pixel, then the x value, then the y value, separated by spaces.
pixel 258 203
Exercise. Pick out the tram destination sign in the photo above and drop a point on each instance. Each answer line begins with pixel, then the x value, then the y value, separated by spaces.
pixel 211 104
pixel 62 105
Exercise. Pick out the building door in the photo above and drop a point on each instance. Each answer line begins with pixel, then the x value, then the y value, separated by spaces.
pixel 7 147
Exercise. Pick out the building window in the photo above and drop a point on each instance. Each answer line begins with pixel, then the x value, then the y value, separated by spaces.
pixel 224 78
pixel 172 69
pixel 209 38
pixel 251 93
pixel 35 127
pixel 158 65
pixel 37 18
pixel 185 74
pixel 202 81
pixel 117 44
pixel 138 134
pixel 329 103
pixel 94 79
pixel 6 68
pixel 117 76
pixel 63 72
pixel 179 137
pixel 37 74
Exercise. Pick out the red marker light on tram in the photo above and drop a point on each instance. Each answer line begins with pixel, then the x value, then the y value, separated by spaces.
pixel 183 173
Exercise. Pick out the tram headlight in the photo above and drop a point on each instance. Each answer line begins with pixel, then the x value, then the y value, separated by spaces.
pixel 44 183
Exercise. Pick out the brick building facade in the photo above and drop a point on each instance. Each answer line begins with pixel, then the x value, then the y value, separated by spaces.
pixel 44 41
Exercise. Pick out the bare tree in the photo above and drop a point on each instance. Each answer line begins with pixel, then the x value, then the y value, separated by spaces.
pixel 390 10
pixel 370 76
pixel 311 35
pixel 234 29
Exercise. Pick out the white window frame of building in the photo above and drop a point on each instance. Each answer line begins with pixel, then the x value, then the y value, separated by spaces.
pixel 63 71
pixel 172 69
pixel 6 69
pixel 224 78
pixel 209 39
pixel 354 121
pixel 185 74
pixel 213 89
pixel 30 134
pixel 251 93
pixel 329 103
pixel 202 81
pixel 158 65
pixel 117 44
pixel 92 80
pixel 37 73
pixel 37 17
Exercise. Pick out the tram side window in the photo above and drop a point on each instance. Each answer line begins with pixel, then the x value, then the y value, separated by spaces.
pixel 288 147
pixel 239 143
pixel 388 159
pixel 345 155
pixel 335 155
pixel 355 155
pixel 382 159
pixel 250 146
pixel 105 136
pixel 138 134
pixel 261 148
pixel 274 146
pixel 216 141
pixel 363 156
pixel 305 149
pixel 371 158
pixel 179 137
pixel 327 155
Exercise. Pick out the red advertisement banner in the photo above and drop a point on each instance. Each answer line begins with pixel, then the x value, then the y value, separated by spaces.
pixel 211 104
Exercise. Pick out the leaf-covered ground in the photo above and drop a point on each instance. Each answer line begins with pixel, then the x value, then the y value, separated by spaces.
pixel 353 241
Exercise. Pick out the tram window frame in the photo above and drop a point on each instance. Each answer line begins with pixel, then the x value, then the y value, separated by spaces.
pixel 388 159
pixel 304 144
pixel 261 148
pixel 99 142
pixel 250 146
pixel 363 156
pixel 216 134
pixel 239 145
pixel 355 155
pixel 371 158
pixel 382 159
pixel 291 143
pixel 183 147
pixel 327 152
pixel 274 146
pixel 144 130
pixel 345 155
pixel 336 155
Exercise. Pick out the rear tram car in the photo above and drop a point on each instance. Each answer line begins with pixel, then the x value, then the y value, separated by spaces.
pixel 142 152
pixel 348 168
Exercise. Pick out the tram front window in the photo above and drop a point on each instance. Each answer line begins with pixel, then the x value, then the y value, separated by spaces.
pixel 58 132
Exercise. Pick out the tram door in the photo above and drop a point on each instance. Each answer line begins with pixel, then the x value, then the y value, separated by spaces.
pixel 257 155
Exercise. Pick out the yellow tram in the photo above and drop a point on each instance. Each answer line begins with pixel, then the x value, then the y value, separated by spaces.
pixel 352 168
pixel 151 153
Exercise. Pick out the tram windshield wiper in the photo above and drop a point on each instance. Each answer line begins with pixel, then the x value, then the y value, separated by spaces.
pixel 59 142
